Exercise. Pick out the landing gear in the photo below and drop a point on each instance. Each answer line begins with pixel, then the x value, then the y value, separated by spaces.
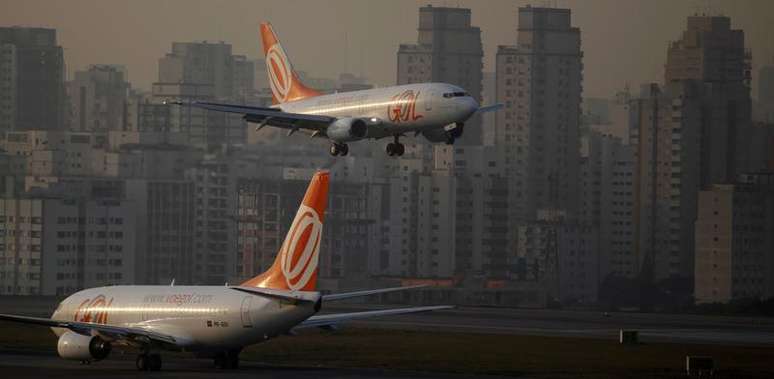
pixel 457 131
pixel 148 362
pixel 227 360
pixel 339 149
pixel 395 148
pixel 454 133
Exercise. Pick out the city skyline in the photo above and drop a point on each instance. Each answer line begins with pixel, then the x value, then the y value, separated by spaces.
pixel 136 34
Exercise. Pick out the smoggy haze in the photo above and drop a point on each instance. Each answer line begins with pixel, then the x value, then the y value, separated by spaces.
pixel 623 41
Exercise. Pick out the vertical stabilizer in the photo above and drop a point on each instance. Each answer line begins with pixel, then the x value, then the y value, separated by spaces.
pixel 283 80
pixel 296 265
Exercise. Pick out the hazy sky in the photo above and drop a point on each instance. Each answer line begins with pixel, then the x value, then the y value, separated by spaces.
pixel 624 41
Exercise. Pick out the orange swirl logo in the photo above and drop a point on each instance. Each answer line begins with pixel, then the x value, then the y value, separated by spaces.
pixel 300 252
pixel 403 107
pixel 93 310
pixel 280 73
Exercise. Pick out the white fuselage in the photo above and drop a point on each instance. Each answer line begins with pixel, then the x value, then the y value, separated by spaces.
pixel 199 317
pixel 398 109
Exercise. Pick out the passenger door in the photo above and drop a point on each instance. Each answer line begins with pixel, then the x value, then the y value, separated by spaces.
pixel 246 321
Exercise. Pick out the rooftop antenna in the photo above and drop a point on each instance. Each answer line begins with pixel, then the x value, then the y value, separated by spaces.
pixel 704 8
pixel 346 51
pixel 362 74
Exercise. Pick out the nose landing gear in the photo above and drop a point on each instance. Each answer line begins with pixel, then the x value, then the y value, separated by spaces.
pixel 148 362
pixel 395 148
pixel 454 133
pixel 227 360
pixel 339 149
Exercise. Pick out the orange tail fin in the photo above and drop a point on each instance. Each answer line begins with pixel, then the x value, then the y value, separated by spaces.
pixel 296 265
pixel 283 80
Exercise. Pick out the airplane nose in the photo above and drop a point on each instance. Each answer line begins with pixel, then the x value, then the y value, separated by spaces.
pixel 470 105
pixel 473 104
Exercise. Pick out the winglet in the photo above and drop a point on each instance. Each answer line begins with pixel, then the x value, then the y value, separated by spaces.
pixel 283 80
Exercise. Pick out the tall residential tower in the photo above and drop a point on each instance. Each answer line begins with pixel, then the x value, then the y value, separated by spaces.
pixel 539 81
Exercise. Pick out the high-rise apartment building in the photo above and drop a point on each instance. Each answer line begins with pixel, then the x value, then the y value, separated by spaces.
pixel 200 63
pixel 690 133
pixel 57 245
pixel 607 184
pixel 734 243
pixel 97 99
pixel 539 81
pixel 165 234
pixel 448 50
pixel 31 79
pixel 766 93
pixel 195 71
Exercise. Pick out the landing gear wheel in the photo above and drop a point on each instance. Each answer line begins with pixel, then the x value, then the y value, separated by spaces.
pixel 220 361
pixel 142 362
pixel 154 362
pixel 232 359
pixel 227 360
pixel 391 149
pixel 395 148
pixel 457 131
pixel 339 149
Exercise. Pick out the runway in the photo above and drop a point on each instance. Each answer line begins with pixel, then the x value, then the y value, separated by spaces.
pixel 38 364
pixel 652 327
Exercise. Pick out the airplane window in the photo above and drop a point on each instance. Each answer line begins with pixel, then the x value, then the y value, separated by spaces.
pixel 454 94
pixel 448 95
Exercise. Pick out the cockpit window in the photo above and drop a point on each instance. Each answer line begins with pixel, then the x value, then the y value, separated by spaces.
pixel 454 94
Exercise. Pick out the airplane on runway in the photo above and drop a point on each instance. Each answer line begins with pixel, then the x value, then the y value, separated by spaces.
pixel 437 111
pixel 212 321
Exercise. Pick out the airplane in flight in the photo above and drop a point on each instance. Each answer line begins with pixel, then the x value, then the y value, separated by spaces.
pixel 211 321
pixel 437 111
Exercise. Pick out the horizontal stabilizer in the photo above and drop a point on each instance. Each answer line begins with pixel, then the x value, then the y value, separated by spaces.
pixel 347 295
pixel 333 319
pixel 292 296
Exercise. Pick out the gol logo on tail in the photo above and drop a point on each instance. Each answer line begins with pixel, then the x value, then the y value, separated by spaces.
pixel 301 250
pixel 93 310
pixel 280 73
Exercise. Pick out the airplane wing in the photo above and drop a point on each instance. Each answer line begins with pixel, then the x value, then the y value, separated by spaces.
pixel 347 295
pixel 322 321
pixel 317 124
pixel 131 334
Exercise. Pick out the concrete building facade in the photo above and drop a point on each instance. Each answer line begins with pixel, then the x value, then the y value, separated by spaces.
pixel 539 81
pixel 734 243
pixel 31 79
pixel 97 99
pixel 57 246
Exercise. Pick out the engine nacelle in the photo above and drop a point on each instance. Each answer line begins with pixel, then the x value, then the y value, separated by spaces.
pixel 348 129
pixel 438 135
pixel 446 134
pixel 78 347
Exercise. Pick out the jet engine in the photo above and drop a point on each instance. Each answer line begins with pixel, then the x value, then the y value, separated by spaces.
pixel 78 347
pixel 348 129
